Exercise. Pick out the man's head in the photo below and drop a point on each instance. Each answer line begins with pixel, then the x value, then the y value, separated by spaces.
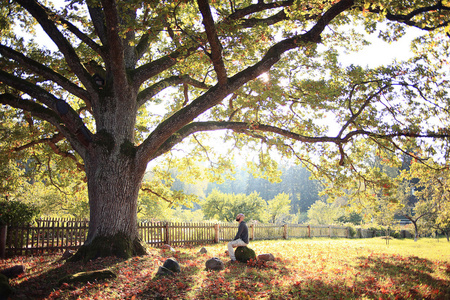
pixel 240 217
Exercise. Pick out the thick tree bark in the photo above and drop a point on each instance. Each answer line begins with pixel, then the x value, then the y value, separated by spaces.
pixel 113 185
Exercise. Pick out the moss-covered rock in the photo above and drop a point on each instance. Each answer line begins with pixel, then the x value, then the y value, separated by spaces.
pixel 244 254
pixel 5 288
pixel 88 276
pixel 118 245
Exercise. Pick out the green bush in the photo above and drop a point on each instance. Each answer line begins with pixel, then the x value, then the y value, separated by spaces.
pixel 351 231
pixel 396 234
pixel 14 213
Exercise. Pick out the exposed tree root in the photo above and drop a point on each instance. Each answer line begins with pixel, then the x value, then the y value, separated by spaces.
pixel 118 245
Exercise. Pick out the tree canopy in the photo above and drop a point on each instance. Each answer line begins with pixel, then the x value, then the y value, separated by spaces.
pixel 225 207
pixel 130 81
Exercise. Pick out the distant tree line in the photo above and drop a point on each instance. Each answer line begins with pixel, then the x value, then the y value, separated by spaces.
pixel 294 181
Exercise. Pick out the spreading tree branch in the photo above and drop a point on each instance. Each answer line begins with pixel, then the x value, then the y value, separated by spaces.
pixel 252 129
pixel 51 142
pixel 252 22
pixel 71 57
pixel 239 14
pixel 258 7
pixel 407 19
pixel 46 72
pixel 79 34
pixel 98 20
pixel 142 45
pixel 355 115
pixel 116 49
pixel 68 124
pixel 151 91
pixel 146 189
pixel 216 47
pixel 149 70
pixel 217 93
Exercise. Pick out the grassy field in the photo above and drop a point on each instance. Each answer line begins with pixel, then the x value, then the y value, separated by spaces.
pixel 303 269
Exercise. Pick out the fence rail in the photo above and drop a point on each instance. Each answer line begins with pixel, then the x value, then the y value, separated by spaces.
pixel 57 234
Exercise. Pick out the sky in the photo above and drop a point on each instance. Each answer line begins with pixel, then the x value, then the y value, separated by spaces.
pixel 381 52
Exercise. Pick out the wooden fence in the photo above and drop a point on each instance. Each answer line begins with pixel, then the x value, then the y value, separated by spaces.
pixel 176 234
pixel 46 236
pixel 55 235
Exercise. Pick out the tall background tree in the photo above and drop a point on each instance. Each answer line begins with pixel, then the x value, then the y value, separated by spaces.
pixel 294 180
pixel 431 210
pixel 225 207
pixel 261 72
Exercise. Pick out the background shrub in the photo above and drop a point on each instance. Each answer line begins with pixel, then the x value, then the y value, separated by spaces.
pixel 14 213
pixel 351 231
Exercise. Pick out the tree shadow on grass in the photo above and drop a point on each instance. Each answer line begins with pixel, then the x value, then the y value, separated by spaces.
pixel 194 281
pixel 236 281
pixel 42 279
pixel 408 276
pixel 316 288
pixel 375 277
pixel 175 286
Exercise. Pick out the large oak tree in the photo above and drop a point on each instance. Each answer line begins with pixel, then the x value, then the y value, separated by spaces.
pixel 132 79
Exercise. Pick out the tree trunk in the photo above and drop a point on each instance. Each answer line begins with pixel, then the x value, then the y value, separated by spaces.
pixel 416 231
pixel 113 184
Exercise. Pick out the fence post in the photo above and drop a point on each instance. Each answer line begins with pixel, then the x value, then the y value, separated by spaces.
pixel 252 232
pixel 216 233
pixel 166 234
pixel 309 231
pixel 329 230
pixel 3 233
pixel 285 231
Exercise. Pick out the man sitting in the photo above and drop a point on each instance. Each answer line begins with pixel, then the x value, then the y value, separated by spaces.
pixel 241 238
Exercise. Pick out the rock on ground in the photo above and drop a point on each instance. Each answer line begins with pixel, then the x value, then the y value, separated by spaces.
pixel 162 271
pixel 172 265
pixel 214 264
pixel 13 271
pixel 266 257
pixel 88 276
